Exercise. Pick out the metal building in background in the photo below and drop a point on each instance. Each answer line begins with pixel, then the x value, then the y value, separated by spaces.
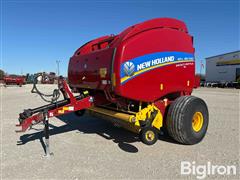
pixel 223 68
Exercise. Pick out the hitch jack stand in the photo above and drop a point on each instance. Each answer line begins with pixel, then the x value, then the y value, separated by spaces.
pixel 46 134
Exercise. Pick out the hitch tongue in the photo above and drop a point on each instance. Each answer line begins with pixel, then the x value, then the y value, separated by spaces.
pixel 29 121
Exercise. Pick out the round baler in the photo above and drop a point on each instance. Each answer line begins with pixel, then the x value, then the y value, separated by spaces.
pixel 142 79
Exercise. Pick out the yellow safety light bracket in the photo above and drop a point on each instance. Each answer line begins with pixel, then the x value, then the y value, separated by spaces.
pixel 145 114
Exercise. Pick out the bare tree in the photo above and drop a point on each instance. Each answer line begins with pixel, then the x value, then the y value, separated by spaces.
pixel 1 74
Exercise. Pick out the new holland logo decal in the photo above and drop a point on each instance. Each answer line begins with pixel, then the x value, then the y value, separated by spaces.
pixel 142 64
pixel 128 68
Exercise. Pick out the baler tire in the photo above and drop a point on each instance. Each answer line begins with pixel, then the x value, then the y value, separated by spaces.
pixel 143 135
pixel 181 120
pixel 80 112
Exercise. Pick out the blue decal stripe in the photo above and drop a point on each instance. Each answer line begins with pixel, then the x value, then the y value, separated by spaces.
pixel 125 79
pixel 142 64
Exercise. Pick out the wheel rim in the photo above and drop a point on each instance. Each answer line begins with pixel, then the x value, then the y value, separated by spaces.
pixel 197 121
pixel 149 135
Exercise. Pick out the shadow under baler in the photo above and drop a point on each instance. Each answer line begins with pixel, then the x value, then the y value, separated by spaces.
pixel 89 125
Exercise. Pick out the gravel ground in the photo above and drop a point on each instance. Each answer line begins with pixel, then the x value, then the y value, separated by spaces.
pixel 91 148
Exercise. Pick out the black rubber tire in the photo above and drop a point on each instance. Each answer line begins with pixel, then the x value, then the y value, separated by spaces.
pixel 80 112
pixel 179 119
pixel 142 135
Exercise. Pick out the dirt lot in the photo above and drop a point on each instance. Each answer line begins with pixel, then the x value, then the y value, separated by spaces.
pixel 90 148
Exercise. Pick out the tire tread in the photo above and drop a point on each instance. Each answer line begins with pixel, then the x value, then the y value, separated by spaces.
pixel 175 118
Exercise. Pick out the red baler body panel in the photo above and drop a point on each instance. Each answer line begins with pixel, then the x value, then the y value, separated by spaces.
pixel 145 62
pixel 85 69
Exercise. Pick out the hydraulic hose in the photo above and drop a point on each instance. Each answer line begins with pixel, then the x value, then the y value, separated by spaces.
pixel 46 97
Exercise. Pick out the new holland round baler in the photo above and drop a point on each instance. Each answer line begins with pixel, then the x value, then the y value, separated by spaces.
pixel 141 79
